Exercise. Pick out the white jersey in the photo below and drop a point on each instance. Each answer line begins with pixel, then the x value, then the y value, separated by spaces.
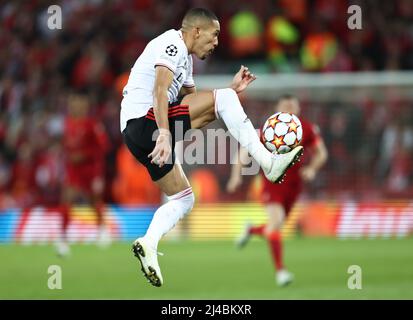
pixel 167 50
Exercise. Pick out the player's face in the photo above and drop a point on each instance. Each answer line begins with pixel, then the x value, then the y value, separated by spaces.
pixel 207 39
pixel 78 106
pixel 288 105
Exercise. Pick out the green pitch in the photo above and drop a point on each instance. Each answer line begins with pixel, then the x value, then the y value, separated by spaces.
pixel 213 270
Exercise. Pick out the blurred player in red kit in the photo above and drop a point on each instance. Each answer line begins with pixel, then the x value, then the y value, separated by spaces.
pixel 280 198
pixel 85 144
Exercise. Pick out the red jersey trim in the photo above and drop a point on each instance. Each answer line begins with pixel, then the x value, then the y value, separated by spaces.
pixel 182 109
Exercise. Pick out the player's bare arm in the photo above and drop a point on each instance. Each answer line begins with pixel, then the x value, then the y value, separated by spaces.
pixel 187 90
pixel 202 103
pixel 235 180
pixel 318 159
pixel 242 79
pixel 162 150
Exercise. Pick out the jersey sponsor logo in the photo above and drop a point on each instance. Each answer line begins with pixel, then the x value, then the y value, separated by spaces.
pixel 179 78
pixel 171 50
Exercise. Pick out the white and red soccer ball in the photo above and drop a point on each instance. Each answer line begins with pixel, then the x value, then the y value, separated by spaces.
pixel 282 132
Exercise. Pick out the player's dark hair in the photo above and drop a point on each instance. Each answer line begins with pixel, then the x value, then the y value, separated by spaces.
pixel 78 92
pixel 286 96
pixel 198 13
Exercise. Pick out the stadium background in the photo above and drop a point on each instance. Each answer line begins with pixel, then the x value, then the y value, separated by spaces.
pixel 355 84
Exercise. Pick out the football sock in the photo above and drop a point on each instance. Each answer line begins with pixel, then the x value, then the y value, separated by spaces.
pixel 275 243
pixel 166 217
pixel 99 214
pixel 229 109
pixel 65 212
pixel 258 230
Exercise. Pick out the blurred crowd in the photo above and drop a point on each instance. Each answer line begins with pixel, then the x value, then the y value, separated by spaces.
pixel 100 40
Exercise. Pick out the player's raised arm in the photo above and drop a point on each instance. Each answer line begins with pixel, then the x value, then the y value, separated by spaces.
pixel 235 179
pixel 188 86
pixel 242 79
pixel 163 80
pixel 187 90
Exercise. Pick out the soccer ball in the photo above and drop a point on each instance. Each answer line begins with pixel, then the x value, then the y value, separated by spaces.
pixel 282 132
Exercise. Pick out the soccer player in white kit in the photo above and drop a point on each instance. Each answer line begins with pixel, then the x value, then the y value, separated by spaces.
pixel 161 93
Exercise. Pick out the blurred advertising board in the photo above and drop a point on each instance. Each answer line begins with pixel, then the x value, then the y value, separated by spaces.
pixel 214 221
pixel 43 225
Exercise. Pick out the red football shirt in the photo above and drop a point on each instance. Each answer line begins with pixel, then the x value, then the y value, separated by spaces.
pixel 288 191
pixel 85 137
pixel 310 138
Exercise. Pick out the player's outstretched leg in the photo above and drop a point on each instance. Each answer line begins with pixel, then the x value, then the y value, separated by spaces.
pixel 180 202
pixel 62 243
pixel 249 231
pixel 245 236
pixel 231 111
pixel 228 108
pixel 103 239
pixel 147 256
pixel 276 214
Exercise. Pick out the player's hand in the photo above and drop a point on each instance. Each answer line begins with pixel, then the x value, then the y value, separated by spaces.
pixel 233 183
pixel 162 150
pixel 307 174
pixel 242 79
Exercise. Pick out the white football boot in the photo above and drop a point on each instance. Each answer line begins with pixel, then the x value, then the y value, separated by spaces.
pixel 103 237
pixel 62 248
pixel 148 257
pixel 281 163
pixel 244 237
pixel 284 278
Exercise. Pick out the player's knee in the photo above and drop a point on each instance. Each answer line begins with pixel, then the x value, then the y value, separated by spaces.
pixel 227 102
pixel 231 92
pixel 274 226
pixel 186 200
pixel 228 93
pixel 190 201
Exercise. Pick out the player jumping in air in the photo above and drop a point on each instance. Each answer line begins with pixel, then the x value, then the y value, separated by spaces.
pixel 279 199
pixel 160 94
